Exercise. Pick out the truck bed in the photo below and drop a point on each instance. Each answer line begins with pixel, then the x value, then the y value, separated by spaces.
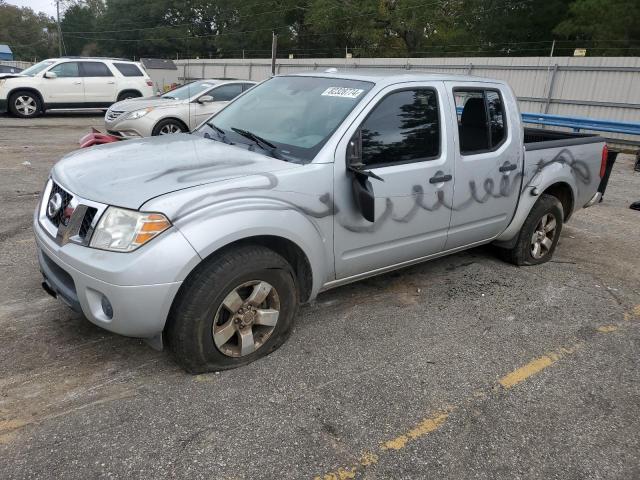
pixel 537 138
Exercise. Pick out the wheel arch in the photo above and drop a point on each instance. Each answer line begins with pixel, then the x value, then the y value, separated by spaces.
pixel 27 89
pixel 128 90
pixel 170 117
pixel 565 194
pixel 286 248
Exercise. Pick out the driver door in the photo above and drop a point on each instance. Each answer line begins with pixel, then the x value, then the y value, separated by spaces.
pixel 67 89
pixel 221 96
pixel 404 137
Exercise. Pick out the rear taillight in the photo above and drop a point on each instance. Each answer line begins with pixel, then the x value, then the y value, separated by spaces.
pixel 150 83
pixel 603 162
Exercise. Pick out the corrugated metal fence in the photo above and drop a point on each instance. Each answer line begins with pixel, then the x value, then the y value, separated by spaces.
pixel 595 87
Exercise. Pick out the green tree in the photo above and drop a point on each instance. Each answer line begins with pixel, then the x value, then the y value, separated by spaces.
pixel 30 35
pixel 609 27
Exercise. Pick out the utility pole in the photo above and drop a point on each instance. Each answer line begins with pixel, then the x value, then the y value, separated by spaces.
pixel 274 47
pixel 59 29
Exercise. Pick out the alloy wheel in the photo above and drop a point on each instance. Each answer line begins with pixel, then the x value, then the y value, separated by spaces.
pixel 170 128
pixel 26 105
pixel 246 319
pixel 543 236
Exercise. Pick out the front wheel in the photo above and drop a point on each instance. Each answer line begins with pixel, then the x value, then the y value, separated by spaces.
pixel 25 104
pixel 539 234
pixel 233 309
pixel 168 127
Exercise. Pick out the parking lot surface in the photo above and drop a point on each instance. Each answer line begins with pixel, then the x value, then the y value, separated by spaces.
pixel 464 367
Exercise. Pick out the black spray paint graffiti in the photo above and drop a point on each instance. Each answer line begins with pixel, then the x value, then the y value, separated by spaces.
pixel 507 185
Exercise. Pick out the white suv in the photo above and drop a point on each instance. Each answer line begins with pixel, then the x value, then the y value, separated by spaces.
pixel 73 82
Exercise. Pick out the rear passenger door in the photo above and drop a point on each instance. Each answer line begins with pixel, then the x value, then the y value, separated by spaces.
pixel 404 136
pixel 99 84
pixel 488 162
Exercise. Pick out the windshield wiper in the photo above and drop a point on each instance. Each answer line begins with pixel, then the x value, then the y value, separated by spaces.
pixel 221 133
pixel 261 142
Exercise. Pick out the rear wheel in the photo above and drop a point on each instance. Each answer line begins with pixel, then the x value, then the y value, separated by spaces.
pixel 169 127
pixel 234 309
pixel 25 104
pixel 539 234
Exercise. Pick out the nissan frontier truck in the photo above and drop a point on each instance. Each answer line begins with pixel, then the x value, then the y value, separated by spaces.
pixel 207 243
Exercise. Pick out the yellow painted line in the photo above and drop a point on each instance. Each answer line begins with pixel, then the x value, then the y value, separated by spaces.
pixel 521 374
pixel 607 328
pixel 425 427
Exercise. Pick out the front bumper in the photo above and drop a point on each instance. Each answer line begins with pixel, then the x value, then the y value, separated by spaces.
pixel 140 286
pixel 140 127
pixel 4 105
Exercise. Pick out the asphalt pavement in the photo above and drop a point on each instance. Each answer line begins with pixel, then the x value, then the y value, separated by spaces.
pixel 461 368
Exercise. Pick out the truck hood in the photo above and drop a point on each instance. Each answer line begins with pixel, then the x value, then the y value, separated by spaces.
pixel 131 172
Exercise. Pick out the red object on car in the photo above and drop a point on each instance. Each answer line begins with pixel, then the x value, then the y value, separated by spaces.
pixel 95 137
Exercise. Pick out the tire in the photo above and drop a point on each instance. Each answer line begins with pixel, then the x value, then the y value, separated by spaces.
pixel 127 96
pixel 547 215
pixel 169 126
pixel 205 303
pixel 25 104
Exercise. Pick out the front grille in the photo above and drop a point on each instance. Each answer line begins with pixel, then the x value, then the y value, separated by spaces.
pixel 66 199
pixel 113 115
pixel 67 219
pixel 86 222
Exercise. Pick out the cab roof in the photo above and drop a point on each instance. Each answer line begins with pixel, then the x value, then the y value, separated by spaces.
pixel 391 76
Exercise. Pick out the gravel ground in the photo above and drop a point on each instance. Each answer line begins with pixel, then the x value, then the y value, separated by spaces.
pixel 464 367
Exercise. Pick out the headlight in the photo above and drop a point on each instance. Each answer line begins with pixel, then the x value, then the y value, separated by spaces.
pixel 121 230
pixel 140 113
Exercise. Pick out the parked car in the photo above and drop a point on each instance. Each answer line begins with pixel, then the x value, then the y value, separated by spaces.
pixel 176 111
pixel 72 82
pixel 8 70
pixel 208 242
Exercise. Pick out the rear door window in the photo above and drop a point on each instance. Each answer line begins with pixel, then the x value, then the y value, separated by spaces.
pixel 67 69
pixel 482 123
pixel 226 93
pixel 128 69
pixel 95 69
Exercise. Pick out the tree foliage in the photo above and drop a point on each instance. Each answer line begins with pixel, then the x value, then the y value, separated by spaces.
pixel 327 28
pixel 30 35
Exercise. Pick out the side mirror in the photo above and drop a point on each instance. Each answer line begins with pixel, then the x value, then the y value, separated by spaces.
pixel 50 74
pixel 354 150
pixel 364 197
pixel 205 99
pixel 363 194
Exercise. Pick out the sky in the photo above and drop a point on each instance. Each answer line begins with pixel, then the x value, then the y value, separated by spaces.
pixel 46 6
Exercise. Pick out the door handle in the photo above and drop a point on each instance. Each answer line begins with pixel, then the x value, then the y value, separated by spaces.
pixel 507 167
pixel 77 83
pixel 111 83
pixel 440 179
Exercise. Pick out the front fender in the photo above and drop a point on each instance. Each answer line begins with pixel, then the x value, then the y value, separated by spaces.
pixel 229 221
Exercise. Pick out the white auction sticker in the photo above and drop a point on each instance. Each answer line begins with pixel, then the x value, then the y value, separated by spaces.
pixel 342 92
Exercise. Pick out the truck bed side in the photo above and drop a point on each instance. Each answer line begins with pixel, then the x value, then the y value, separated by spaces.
pixel 565 163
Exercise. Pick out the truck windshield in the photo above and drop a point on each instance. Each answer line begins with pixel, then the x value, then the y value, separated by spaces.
pixel 295 114
pixel 37 68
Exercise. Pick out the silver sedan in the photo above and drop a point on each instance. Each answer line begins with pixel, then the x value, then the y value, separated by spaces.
pixel 176 111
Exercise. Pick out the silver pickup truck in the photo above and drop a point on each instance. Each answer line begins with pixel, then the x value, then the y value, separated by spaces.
pixel 208 242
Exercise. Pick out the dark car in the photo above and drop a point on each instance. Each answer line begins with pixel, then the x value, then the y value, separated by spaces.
pixel 9 69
